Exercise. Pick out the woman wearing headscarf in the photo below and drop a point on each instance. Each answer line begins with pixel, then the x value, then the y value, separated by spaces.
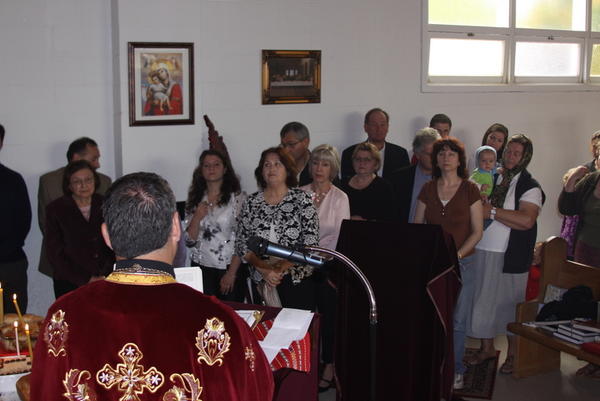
pixel 504 254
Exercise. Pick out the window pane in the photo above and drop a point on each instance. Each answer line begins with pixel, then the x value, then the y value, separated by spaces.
pixel 596 15
pixel 463 57
pixel 551 14
pixel 595 69
pixel 469 12
pixel 534 59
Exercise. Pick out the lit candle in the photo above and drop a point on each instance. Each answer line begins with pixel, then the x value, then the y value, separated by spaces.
pixel 18 310
pixel 29 343
pixel 1 304
pixel 17 337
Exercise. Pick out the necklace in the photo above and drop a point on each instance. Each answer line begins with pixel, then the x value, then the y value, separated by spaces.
pixel 319 196
pixel 213 200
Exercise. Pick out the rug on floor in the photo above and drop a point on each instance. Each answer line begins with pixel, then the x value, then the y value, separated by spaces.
pixel 479 380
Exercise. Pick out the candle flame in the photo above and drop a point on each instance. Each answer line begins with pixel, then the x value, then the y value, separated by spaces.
pixel 26 327
pixel 16 324
pixel 14 297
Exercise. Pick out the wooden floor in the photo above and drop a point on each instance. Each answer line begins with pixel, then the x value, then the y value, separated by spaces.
pixel 561 385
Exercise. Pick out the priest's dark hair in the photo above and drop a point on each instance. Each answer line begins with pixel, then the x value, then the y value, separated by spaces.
pixel 138 211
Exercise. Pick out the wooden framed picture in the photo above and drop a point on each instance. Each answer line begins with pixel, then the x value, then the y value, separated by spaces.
pixel 291 76
pixel 161 83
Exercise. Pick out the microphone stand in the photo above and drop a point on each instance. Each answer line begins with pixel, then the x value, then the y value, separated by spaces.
pixel 372 306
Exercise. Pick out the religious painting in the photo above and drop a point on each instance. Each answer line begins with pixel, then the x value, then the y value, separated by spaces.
pixel 291 76
pixel 161 83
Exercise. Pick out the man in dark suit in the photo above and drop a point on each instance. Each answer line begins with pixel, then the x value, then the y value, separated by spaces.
pixel 393 156
pixel 408 181
pixel 295 138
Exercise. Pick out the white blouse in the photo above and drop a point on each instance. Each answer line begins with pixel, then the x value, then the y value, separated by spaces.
pixel 495 237
pixel 214 246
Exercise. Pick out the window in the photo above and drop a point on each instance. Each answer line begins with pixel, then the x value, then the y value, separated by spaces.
pixel 511 44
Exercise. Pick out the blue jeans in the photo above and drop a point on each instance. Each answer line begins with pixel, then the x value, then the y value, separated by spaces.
pixel 462 312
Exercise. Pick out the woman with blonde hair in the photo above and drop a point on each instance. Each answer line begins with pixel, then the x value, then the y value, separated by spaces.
pixel 333 207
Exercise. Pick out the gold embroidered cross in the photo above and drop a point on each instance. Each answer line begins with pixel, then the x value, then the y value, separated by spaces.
pixel 249 353
pixel 129 376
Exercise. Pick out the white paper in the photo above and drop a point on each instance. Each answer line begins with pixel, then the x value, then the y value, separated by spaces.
pixel 191 276
pixel 247 315
pixel 289 325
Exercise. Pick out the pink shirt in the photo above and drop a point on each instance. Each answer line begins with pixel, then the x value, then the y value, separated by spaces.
pixel 334 208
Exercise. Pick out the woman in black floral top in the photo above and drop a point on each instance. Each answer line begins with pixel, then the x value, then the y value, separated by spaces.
pixel 285 215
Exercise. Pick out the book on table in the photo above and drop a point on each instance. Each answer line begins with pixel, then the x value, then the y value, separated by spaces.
pixel 588 326
pixel 579 335
pixel 567 338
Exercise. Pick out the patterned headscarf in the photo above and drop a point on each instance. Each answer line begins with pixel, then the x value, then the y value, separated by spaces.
pixel 499 192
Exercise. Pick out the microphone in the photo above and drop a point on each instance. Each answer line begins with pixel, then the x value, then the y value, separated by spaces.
pixel 261 246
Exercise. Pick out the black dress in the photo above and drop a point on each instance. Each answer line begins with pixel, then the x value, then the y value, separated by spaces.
pixel 375 202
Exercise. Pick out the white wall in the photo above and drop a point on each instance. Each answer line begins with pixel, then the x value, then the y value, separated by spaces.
pixel 58 69
pixel 56 87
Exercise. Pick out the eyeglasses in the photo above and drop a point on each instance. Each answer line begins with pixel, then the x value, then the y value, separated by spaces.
pixel 81 183
pixel 289 144
pixel 363 159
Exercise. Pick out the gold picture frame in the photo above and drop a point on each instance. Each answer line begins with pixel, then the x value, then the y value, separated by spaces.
pixel 291 76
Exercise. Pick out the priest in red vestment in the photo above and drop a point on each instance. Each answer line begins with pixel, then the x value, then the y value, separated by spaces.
pixel 139 335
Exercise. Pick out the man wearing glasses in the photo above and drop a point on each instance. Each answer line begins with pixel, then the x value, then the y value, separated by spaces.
pixel 295 139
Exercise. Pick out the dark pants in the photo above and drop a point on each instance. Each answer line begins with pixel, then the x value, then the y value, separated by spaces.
pixel 211 283
pixel 61 287
pixel 326 306
pixel 13 276
pixel 298 296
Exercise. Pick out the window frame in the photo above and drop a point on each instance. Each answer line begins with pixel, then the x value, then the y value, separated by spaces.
pixel 511 35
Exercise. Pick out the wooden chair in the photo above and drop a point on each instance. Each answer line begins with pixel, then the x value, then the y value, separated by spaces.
pixel 537 352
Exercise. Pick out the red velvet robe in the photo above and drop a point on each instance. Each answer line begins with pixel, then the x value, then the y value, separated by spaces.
pixel 146 341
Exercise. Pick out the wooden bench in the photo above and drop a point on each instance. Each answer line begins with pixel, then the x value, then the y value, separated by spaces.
pixel 537 352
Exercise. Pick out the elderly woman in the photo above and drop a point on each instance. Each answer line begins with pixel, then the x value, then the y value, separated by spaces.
pixel 332 203
pixel 285 215
pixel 504 254
pixel 211 211
pixel 371 197
pixel 333 207
pixel 453 201
pixel 74 243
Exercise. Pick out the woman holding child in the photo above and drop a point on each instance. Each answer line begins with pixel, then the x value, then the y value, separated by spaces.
pixel 504 254
pixel 453 201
